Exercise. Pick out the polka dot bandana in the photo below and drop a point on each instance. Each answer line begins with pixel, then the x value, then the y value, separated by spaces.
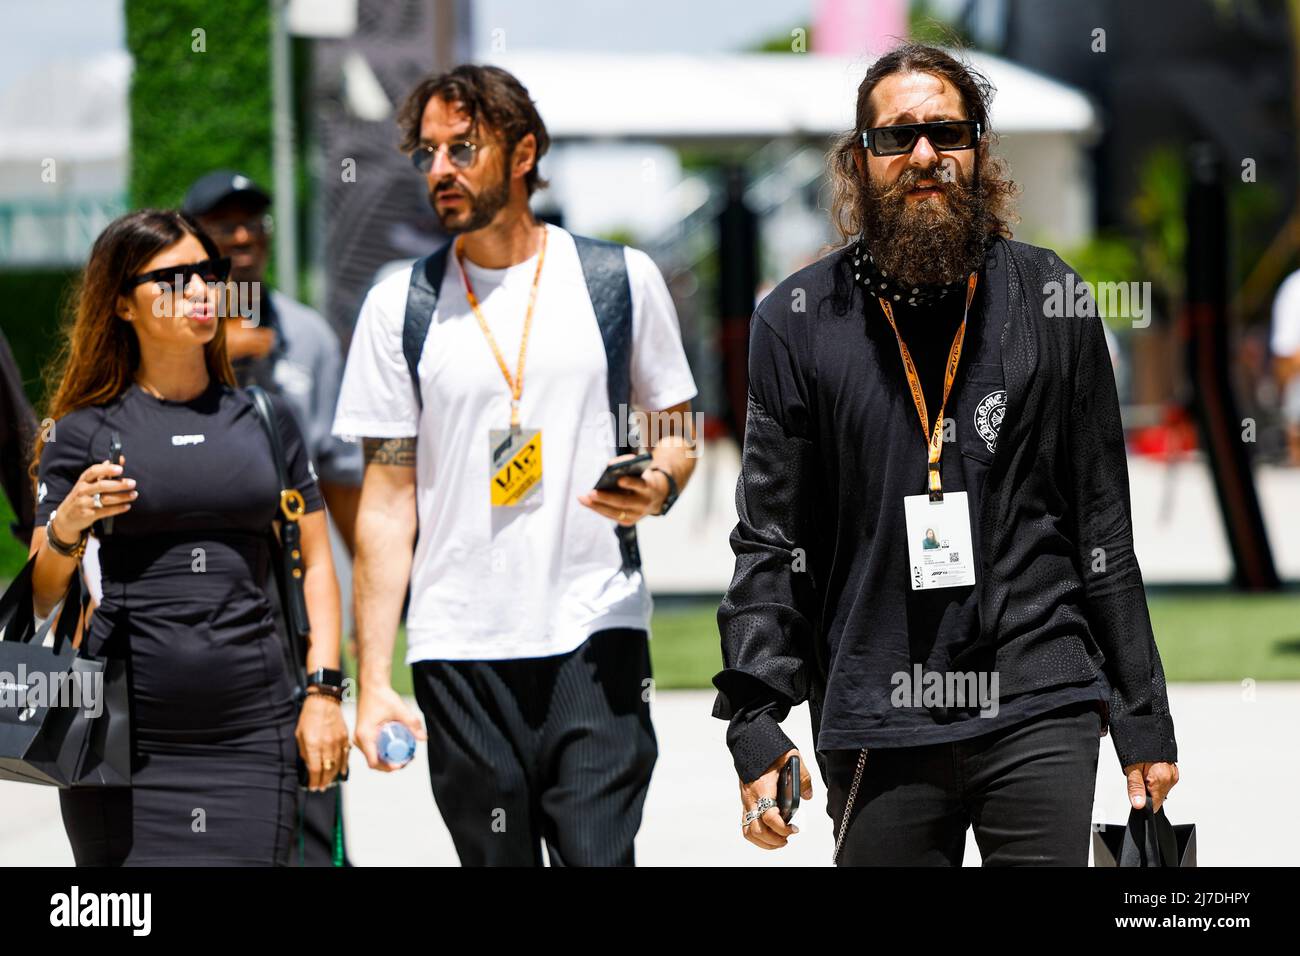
pixel 880 284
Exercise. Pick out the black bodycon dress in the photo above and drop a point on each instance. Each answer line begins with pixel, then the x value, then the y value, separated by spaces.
pixel 184 602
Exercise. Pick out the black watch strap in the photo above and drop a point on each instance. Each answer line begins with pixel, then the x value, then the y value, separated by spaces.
pixel 671 497
pixel 326 678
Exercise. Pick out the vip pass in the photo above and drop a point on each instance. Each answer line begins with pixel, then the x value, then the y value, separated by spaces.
pixel 515 453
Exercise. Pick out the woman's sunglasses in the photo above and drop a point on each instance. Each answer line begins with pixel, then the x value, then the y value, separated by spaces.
pixel 944 135
pixel 460 154
pixel 209 270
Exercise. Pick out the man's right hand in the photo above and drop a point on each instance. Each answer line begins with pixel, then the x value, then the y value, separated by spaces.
pixel 248 341
pixel 376 707
pixel 769 831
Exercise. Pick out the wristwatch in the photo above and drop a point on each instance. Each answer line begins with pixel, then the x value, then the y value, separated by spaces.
pixel 671 499
pixel 67 550
pixel 327 681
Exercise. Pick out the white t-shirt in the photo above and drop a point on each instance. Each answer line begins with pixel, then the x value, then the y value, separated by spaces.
pixel 537 580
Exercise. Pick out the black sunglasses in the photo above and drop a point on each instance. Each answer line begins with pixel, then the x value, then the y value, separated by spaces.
pixel 945 134
pixel 209 270
pixel 461 155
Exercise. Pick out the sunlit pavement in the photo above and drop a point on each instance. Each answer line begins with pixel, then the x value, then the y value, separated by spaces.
pixel 1238 761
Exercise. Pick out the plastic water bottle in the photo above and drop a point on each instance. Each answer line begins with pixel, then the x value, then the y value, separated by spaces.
pixel 396 744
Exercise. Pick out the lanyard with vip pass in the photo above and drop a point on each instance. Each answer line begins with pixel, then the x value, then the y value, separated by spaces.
pixel 938 528
pixel 515 453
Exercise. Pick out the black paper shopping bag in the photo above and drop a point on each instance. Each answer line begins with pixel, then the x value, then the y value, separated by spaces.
pixel 1148 839
pixel 63 715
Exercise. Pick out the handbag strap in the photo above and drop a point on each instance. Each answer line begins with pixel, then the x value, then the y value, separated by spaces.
pixel 293 599
pixel 266 413
pixel 18 614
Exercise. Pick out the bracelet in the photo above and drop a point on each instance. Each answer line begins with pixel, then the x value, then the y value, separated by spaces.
pixel 320 690
pixel 67 550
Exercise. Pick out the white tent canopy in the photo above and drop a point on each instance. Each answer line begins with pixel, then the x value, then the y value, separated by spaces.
pixel 752 95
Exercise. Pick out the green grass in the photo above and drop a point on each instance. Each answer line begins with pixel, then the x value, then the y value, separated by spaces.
pixel 1211 635
pixel 1221 636
pixel 684 651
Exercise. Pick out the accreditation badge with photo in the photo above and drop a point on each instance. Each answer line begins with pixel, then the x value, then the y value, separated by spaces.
pixel 939 541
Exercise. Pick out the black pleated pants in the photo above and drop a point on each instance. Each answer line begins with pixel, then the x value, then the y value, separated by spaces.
pixel 555 750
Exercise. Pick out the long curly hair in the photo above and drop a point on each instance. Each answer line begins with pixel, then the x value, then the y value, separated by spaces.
pixel 100 353
pixel 848 190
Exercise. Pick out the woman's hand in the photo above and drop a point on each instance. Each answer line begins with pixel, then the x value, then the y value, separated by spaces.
pixel 322 739
pixel 77 511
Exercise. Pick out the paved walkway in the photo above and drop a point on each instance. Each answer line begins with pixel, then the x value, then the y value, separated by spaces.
pixel 1239 762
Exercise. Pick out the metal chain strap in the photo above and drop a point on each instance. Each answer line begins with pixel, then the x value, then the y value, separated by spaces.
pixel 848 807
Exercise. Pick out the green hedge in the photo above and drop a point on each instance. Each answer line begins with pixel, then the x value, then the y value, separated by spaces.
pixel 34 301
pixel 192 112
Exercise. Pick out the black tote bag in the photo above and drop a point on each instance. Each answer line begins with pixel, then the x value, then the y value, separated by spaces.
pixel 1149 839
pixel 63 714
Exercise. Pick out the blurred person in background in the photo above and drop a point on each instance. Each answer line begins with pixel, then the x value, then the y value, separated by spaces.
pixel 1033 598
pixel 289 349
pixel 285 346
pixel 1284 343
pixel 17 436
pixel 529 617
pixel 213 719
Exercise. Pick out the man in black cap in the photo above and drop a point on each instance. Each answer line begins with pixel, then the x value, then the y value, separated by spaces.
pixel 288 348
pixel 283 345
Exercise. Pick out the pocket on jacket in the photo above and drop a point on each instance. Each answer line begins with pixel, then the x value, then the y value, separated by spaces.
pixel 982 414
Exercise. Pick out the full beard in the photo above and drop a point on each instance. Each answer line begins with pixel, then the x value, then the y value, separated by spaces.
pixel 478 210
pixel 931 241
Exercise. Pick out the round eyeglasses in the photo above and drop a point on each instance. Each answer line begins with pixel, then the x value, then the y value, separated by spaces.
pixel 460 154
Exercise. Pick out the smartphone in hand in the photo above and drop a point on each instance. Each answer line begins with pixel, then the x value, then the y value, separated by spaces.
pixel 114 456
pixel 787 789
pixel 634 467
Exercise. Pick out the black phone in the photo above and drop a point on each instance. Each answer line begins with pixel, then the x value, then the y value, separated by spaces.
pixel 114 457
pixel 787 789
pixel 629 466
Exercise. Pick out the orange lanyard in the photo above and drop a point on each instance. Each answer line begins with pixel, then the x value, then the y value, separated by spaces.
pixel 516 383
pixel 933 437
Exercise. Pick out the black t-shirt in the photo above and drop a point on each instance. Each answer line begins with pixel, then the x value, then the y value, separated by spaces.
pixel 872 454
pixel 184 573
pixel 200 465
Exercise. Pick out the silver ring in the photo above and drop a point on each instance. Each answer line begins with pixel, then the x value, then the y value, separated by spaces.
pixel 764 804
pixel 98 502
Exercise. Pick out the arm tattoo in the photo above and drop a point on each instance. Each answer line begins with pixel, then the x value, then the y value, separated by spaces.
pixel 389 451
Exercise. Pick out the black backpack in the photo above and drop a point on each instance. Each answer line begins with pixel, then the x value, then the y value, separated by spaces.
pixel 605 270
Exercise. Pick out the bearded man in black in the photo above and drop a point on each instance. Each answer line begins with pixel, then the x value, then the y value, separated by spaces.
pixel 934 546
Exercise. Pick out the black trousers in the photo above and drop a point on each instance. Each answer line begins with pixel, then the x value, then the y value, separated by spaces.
pixel 555 750
pixel 1027 790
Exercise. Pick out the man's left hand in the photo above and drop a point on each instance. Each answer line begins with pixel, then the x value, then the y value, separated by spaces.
pixel 1159 778
pixel 637 498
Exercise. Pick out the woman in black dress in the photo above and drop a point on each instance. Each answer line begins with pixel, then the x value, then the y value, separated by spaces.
pixel 215 733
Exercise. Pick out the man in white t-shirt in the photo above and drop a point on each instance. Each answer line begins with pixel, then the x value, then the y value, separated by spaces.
pixel 528 619
pixel 1284 343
